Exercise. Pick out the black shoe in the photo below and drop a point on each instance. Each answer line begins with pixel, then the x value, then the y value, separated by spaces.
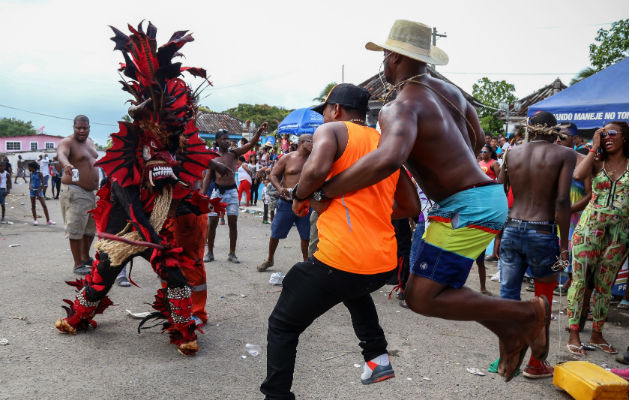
pixel 82 270
pixel 623 358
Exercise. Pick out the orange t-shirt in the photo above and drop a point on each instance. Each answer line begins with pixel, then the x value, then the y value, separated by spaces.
pixel 355 232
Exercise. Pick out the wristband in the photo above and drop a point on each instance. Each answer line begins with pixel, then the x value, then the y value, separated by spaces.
pixel 592 151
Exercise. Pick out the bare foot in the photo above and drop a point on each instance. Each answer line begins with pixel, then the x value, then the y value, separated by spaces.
pixel 537 331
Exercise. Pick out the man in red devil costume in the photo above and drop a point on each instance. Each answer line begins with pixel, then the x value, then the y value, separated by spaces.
pixel 151 167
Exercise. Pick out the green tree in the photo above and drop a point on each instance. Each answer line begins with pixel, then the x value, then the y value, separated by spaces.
pixel 260 113
pixel 15 127
pixel 611 46
pixel 324 93
pixel 492 93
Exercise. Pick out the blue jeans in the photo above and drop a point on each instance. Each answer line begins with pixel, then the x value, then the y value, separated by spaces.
pixel 522 249
pixel 415 242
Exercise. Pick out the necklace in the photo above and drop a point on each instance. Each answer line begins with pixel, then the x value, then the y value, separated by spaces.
pixel 357 121
pixel 402 83
pixel 612 172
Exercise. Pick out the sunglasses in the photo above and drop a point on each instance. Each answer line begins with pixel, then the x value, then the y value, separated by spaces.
pixel 611 133
pixel 484 152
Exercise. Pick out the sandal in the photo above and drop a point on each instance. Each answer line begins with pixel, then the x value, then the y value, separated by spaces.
pixel 576 350
pixel 605 347
pixel 403 303
pixel 264 266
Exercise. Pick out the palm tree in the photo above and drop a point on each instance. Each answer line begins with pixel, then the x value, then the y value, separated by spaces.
pixel 583 74
pixel 324 93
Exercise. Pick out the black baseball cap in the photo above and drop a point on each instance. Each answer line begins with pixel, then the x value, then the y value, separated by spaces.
pixel 346 95
pixel 543 118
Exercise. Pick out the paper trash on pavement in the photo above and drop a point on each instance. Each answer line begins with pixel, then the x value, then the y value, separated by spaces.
pixel 276 278
pixel 475 371
pixel 139 315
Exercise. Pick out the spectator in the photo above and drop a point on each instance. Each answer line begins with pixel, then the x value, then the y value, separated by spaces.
pixel 35 188
pixel 21 169
pixel 256 172
pixel 5 188
pixel 244 180
pixel 600 256
pixel 44 165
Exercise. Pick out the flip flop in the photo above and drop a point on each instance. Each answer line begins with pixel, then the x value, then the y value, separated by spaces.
pixel 604 346
pixel 402 303
pixel 576 350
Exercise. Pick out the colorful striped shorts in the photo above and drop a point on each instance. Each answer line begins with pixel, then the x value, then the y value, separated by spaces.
pixel 459 228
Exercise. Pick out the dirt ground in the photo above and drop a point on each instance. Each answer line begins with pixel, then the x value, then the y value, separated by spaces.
pixel 430 356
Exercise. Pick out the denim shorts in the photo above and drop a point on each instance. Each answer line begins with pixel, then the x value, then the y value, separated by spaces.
pixel 284 220
pixel 3 194
pixel 230 197
pixel 522 249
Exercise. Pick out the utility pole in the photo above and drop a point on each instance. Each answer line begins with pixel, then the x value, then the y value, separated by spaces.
pixel 342 73
pixel 434 36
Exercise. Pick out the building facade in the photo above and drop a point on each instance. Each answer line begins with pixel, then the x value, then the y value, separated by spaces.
pixel 11 144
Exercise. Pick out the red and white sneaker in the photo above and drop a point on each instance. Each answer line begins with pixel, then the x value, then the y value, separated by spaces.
pixel 377 370
pixel 542 370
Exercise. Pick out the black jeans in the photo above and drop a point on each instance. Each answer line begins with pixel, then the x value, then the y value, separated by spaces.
pixel 253 191
pixel 310 289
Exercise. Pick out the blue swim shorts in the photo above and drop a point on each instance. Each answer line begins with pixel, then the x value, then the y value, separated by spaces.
pixel 459 229
pixel 284 220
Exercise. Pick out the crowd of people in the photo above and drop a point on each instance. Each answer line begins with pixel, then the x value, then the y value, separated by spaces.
pixel 371 208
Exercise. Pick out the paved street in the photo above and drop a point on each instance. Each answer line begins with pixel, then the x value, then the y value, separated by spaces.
pixel 430 356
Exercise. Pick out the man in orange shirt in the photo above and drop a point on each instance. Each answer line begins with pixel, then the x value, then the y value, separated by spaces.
pixel 356 251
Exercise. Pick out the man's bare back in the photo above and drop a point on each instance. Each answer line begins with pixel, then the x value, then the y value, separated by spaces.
pixel 442 157
pixel 79 155
pixel 534 171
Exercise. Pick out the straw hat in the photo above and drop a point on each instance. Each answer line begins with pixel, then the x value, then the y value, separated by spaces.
pixel 413 40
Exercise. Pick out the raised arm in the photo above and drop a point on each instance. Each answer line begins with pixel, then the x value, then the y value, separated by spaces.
pixel 563 201
pixel 239 151
pixel 399 126
pixel 589 166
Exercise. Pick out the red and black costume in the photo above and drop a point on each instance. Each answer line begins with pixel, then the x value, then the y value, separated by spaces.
pixel 151 166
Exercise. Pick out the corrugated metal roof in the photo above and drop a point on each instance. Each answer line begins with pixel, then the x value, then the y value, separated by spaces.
pixel 212 122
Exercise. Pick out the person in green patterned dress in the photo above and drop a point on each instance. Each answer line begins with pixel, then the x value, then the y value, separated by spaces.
pixel 600 241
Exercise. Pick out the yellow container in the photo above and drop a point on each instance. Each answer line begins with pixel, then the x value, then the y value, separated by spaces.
pixel 586 381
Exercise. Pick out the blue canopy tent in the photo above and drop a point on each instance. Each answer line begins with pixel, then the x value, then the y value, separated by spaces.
pixel 300 121
pixel 593 102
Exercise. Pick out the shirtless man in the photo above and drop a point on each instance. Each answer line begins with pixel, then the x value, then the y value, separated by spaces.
pixel 77 197
pixel 225 188
pixel 540 206
pixel 283 177
pixel 428 115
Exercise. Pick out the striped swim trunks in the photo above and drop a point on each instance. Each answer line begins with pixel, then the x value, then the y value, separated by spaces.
pixel 459 228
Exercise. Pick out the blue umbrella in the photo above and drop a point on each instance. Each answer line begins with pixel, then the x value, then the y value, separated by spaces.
pixel 300 121
pixel 593 102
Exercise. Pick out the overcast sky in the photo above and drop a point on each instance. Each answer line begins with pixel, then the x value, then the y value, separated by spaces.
pixel 58 58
